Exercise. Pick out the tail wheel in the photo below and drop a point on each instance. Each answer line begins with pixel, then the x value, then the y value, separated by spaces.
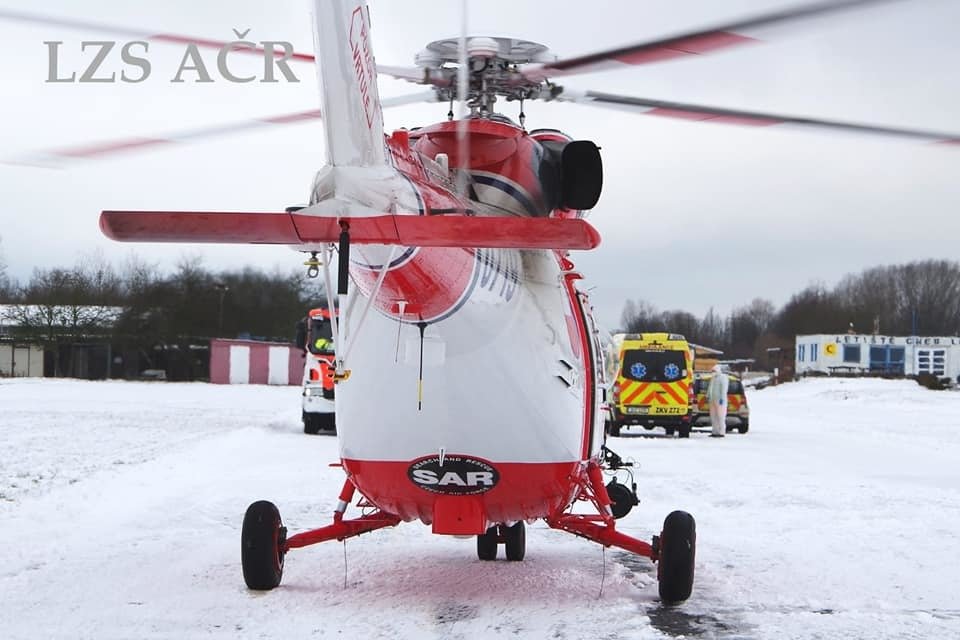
pixel 515 541
pixel 487 544
pixel 678 546
pixel 261 546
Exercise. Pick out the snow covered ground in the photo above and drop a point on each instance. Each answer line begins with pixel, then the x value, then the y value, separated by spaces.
pixel 837 516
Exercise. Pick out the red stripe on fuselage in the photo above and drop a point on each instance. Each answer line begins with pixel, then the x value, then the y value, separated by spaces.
pixel 586 361
pixel 525 490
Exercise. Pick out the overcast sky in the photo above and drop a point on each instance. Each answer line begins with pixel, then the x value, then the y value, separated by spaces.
pixel 693 215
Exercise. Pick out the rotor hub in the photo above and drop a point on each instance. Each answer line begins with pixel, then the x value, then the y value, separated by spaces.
pixel 493 69
pixel 503 49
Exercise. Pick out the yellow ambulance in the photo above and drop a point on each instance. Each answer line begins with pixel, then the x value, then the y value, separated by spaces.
pixel 653 386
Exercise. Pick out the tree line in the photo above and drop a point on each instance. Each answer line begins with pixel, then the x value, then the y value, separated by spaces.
pixel 148 318
pixel 918 298
pixel 140 309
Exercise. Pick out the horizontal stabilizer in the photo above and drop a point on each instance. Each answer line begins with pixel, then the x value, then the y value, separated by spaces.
pixel 295 229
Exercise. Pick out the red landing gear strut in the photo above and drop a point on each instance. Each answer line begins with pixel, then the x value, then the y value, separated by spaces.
pixel 674 550
pixel 264 541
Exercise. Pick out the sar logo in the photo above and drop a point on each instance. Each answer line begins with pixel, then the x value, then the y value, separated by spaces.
pixel 458 475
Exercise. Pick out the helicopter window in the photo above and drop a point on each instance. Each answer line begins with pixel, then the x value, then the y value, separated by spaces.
pixel 321 336
pixel 653 366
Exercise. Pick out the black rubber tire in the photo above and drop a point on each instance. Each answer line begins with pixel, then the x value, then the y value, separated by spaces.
pixel 669 430
pixel 515 541
pixel 613 428
pixel 744 426
pixel 261 544
pixel 678 550
pixel 314 423
pixel 311 426
pixel 683 431
pixel 487 544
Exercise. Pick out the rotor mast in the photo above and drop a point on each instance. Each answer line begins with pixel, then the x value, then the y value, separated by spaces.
pixel 493 71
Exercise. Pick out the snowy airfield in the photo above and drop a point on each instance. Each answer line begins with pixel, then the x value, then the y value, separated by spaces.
pixel 837 516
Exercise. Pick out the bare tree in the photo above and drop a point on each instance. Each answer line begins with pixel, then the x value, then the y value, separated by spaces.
pixel 640 316
pixel 59 306
pixel 6 288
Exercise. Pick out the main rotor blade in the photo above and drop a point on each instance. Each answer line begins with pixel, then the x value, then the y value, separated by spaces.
pixel 721 115
pixel 691 44
pixel 97 150
pixel 129 32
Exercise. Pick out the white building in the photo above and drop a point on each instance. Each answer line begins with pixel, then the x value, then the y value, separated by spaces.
pixel 894 355
pixel 20 360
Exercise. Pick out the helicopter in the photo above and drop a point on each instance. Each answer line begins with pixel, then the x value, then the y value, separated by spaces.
pixel 472 397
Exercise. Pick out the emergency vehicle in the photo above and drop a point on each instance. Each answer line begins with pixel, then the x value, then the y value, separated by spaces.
pixel 653 386
pixel 738 412
pixel 315 335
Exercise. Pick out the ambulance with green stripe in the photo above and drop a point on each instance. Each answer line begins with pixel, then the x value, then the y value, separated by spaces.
pixel 653 386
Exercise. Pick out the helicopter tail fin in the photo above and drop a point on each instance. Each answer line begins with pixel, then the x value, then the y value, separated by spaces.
pixel 347 74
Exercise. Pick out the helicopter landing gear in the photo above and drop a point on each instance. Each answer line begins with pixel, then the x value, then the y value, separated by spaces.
pixel 677 546
pixel 513 537
pixel 262 543
pixel 622 498
pixel 487 544
pixel 673 550
pixel 515 541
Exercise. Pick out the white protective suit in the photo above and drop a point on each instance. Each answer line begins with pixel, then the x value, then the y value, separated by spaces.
pixel 717 399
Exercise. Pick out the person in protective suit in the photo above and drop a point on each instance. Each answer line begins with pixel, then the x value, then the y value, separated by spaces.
pixel 717 400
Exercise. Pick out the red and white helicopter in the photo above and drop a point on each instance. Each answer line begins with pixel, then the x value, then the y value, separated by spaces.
pixel 457 236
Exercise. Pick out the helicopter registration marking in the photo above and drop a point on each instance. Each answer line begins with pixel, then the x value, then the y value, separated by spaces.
pixel 362 62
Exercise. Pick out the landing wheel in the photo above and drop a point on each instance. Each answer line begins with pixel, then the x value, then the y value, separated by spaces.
pixel 261 546
pixel 311 425
pixel 678 546
pixel 487 544
pixel 743 427
pixel 314 423
pixel 515 541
